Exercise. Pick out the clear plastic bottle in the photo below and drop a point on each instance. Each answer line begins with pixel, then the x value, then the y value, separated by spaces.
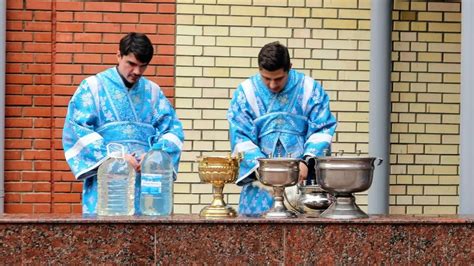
pixel 156 190
pixel 115 184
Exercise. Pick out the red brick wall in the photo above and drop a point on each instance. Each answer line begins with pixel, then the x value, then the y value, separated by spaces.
pixel 51 47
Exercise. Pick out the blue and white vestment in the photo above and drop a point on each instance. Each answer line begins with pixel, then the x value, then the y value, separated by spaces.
pixel 294 122
pixel 104 110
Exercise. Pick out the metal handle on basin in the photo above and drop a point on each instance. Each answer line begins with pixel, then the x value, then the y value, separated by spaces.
pixel 257 175
pixel 380 160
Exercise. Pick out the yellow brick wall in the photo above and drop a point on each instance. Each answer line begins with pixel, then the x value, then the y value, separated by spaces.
pixel 425 108
pixel 217 45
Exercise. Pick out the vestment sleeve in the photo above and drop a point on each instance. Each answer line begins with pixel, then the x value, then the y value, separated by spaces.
pixel 243 135
pixel 321 123
pixel 84 148
pixel 169 135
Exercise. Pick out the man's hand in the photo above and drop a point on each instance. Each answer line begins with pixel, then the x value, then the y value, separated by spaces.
pixel 303 172
pixel 133 161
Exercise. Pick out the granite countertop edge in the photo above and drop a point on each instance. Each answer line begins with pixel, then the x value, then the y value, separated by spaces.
pixel 195 219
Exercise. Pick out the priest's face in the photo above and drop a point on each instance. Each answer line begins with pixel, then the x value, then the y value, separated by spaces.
pixel 274 80
pixel 130 67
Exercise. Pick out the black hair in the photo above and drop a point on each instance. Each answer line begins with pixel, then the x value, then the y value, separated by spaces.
pixel 139 45
pixel 274 56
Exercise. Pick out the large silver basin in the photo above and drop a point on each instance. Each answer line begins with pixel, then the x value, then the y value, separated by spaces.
pixel 278 172
pixel 345 174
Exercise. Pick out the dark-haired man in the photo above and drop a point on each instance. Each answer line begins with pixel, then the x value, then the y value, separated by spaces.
pixel 119 105
pixel 277 112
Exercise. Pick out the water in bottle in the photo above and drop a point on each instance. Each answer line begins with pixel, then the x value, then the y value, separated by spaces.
pixel 156 195
pixel 115 183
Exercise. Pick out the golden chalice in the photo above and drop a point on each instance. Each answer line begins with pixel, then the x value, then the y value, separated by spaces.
pixel 218 170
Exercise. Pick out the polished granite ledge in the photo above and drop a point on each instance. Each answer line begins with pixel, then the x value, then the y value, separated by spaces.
pixel 195 219
pixel 187 239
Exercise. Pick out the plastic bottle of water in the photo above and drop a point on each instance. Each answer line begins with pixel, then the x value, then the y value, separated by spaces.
pixel 156 193
pixel 115 183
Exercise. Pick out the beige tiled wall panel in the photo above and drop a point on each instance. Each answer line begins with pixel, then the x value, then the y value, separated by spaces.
pixel 426 61
pixel 216 48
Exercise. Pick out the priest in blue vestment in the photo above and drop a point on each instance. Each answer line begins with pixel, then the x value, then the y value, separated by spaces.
pixel 278 112
pixel 119 105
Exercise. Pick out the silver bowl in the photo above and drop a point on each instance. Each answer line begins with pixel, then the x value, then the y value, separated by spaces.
pixel 343 176
pixel 281 172
pixel 278 173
